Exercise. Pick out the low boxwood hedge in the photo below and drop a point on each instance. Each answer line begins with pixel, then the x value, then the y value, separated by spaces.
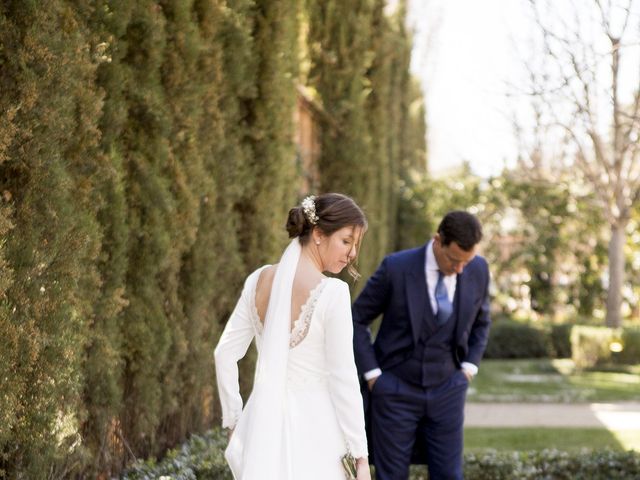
pixel 201 458
pixel 588 346
pixel 509 339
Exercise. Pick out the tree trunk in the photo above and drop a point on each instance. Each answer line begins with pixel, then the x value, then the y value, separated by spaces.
pixel 616 274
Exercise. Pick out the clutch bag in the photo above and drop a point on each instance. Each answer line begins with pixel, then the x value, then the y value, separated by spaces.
pixel 349 466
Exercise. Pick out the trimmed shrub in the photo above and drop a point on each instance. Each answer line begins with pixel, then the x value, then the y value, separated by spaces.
pixel 202 458
pixel 552 464
pixel 590 345
pixel 510 339
pixel 560 335
pixel 630 353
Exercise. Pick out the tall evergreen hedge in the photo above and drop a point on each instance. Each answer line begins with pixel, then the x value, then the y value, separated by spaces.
pixel 359 65
pixel 146 166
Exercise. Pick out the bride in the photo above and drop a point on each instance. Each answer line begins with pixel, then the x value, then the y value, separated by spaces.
pixel 305 411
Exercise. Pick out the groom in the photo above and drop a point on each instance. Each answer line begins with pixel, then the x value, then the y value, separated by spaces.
pixel 435 305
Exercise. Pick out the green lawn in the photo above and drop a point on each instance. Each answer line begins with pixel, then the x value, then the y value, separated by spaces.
pixel 567 439
pixel 551 381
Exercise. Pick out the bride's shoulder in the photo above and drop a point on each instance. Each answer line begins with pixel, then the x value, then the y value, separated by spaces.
pixel 335 286
pixel 264 272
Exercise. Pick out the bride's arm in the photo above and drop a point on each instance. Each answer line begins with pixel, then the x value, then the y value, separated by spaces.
pixel 232 346
pixel 343 376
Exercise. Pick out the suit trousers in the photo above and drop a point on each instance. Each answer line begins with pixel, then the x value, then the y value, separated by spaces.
pixel 403 413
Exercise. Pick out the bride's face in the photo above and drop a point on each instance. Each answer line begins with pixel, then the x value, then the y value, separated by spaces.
pixel 340 248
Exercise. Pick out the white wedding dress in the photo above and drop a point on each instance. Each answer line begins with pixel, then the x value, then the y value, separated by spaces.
pixel 322 414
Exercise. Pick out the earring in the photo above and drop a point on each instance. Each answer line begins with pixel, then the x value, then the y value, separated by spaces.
pixel 317 242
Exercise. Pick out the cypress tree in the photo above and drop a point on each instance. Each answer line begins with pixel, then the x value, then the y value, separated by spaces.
pixel 48 85
pixel 379 110
pixel 147 332
pixel 341 55
pixel 9 382
pixel 272 162
pixel 184 91
pixel 104 362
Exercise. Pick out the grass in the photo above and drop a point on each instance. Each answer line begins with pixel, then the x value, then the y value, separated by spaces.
pixel 566 439
pixel 552 381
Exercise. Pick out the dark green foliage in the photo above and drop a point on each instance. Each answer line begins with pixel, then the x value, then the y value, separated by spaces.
pixel 553 235
pixel 510 339
pixel 359 67
pixel 48 90
pixel 590 345
pixel 201 458
pixel 595 346
pixel 561 339
pixel 341 56
pixel 587 465
pixel 630 341
pixel 146 167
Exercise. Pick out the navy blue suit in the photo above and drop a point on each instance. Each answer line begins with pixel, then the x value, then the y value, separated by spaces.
pixel 415 410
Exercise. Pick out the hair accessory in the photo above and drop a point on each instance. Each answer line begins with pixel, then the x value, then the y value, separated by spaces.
pixel 309 209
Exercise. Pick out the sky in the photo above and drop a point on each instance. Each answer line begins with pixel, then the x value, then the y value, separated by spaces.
pixel 464 54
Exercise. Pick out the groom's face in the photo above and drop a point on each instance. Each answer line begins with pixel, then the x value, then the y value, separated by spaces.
pixel 451 258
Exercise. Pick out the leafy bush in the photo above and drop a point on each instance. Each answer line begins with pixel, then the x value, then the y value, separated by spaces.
pixel 590 345
pixel 631 347
pixel 560 335
pixel 509 339
pixel 552 464
pixel 201 458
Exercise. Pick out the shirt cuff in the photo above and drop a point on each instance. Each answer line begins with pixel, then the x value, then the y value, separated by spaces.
pixel 470 368
pixel 376 372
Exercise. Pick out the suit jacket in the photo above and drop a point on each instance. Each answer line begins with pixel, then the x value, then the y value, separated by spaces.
pixel 398 291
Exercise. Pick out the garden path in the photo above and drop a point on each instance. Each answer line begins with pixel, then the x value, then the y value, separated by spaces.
pixel 613 416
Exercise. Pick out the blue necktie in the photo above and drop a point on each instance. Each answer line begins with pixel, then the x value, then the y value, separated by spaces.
pixel 445 308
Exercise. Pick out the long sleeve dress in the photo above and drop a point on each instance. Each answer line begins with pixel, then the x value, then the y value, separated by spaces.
pixel 324 413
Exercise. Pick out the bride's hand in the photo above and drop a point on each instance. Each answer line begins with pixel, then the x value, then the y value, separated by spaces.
pixel 362 469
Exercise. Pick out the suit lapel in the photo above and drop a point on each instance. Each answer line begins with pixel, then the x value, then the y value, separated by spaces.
pixel 417 293
pixel 463 300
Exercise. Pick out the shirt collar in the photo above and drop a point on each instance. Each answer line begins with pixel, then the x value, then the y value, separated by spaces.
pixel 432 264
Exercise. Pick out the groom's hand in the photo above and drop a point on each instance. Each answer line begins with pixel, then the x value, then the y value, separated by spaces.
pixel 371 382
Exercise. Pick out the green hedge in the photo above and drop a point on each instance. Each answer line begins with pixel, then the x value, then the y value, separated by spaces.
pixel 631 346
pixel 560 334
pixel 591 346
pixel 509 339
pixel 202 458
pixel 588 346
pixel 146 166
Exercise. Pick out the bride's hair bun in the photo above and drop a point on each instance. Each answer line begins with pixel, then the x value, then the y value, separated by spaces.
pixel 297 223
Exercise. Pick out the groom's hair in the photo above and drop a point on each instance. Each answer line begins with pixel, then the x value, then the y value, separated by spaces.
pixel 460 227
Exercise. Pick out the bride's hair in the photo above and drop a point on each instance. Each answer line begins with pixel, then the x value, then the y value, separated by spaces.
pixel 333 211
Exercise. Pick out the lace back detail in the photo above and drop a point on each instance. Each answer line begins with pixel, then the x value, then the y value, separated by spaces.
pixel 301 325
